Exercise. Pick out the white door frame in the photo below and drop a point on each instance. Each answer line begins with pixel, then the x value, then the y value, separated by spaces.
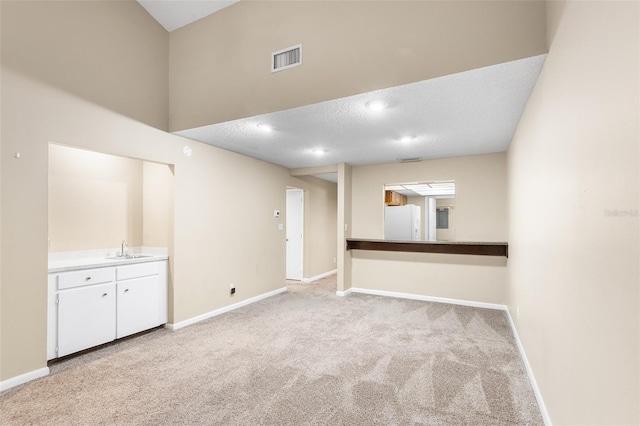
pixel 295 227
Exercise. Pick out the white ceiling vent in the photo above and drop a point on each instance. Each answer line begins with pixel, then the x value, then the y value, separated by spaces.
pixel 286 58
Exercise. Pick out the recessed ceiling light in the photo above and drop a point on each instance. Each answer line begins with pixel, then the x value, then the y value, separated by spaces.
pixel 407 139
pixel 319 151
pixel 265 127
pixel 376 105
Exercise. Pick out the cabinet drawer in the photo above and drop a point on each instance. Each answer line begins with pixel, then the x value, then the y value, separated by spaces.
pixel 86 277
pixel 136 271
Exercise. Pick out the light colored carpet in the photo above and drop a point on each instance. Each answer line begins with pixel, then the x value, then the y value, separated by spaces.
pixel 302 357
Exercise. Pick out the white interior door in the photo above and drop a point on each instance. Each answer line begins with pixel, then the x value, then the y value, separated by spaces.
pixel 295 227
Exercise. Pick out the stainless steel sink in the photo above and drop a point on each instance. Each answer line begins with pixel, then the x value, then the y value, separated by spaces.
pixel 129 257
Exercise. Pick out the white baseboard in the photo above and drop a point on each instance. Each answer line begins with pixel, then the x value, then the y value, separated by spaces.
pixel 532 379
pixel 23 378
pixel 317 277
pixel 344 293
pixel 212 314
pixel 430 298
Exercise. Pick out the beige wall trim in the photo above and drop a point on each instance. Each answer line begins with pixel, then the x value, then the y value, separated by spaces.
pixel 216 312
pixel 317 277
pixel 306 171
pixel 24 378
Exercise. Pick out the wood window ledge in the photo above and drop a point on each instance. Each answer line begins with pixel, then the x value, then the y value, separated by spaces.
pixel 447 247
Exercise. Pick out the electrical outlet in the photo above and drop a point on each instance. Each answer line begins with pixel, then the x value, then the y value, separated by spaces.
pixel 233 289
pixel 334 260
pixel 518 312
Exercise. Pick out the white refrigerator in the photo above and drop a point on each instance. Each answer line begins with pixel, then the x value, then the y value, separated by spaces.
pixel 402 223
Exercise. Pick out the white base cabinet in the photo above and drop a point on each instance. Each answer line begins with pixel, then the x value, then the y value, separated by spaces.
pixel 91 307
pixel 85 317
pixel 138 299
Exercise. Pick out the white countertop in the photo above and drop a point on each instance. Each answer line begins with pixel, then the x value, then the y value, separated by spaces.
pixel 73 261
pixel 77 264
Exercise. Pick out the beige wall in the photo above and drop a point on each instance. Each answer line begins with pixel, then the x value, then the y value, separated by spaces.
pixel 345 225
pixel 574 265
pixel 348 48
pixel 211 243
pixel 480 194
pixel 320 224
pixel 111 53
pixel 95 200
pixel 450 233
pixel 114 55
pixel 463 277
pixel 481 216
pixel 1 206
pixel 418 201
pixel 157 205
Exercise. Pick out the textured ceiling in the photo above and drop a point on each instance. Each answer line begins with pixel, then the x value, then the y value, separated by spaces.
pixel 473 112
pixel 174 14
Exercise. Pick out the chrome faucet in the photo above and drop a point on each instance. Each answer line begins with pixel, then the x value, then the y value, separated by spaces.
pixel 124 244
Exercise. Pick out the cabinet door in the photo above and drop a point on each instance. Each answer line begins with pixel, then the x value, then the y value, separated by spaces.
pixel 138 305
pixel 86 317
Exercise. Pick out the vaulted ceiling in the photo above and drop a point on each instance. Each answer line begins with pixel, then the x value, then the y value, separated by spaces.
pixel 467 113
pixel 174 14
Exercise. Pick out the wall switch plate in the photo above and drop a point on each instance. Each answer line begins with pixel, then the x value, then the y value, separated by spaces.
pixel 280 227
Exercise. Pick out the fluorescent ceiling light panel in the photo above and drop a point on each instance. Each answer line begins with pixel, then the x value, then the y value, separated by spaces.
pixel 426 189
pixel 442 185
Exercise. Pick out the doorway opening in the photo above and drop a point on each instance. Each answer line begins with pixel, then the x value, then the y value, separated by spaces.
pixel 295 234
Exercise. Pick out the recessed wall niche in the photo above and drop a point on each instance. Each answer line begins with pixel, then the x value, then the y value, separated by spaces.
pixel 97 200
